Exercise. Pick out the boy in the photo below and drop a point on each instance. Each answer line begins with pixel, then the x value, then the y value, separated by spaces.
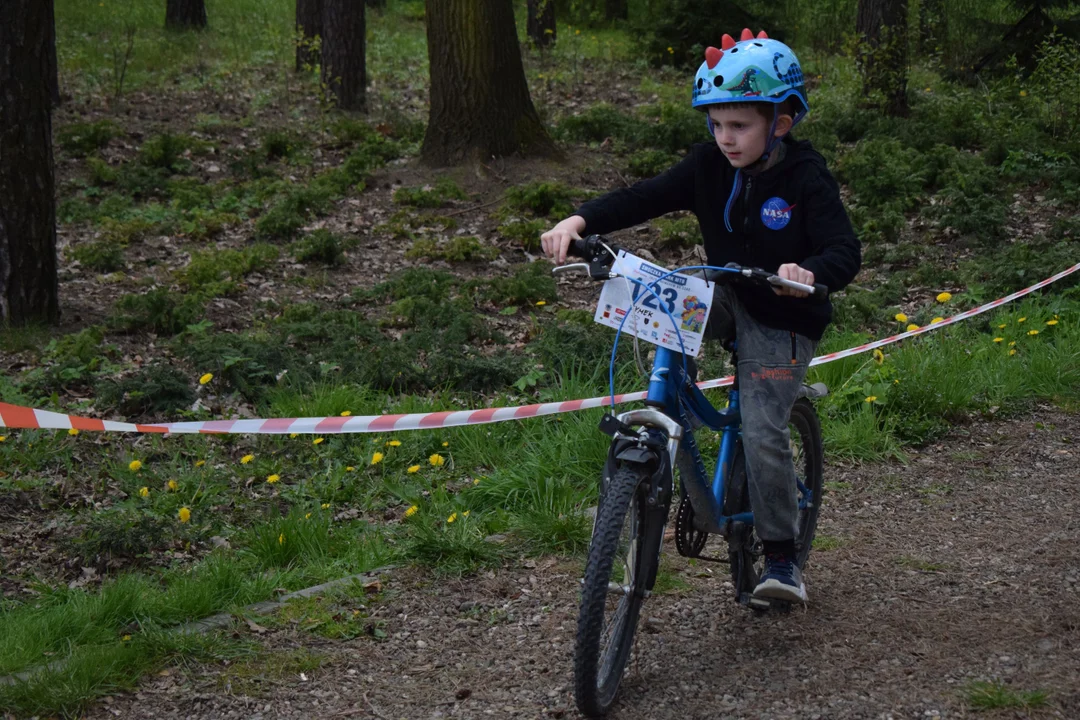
pixel 762 200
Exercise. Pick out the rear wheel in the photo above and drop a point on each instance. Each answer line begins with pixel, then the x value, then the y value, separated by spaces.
pixel 617 574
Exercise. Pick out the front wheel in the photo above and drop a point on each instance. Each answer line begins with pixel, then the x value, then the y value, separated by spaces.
pixel 621 566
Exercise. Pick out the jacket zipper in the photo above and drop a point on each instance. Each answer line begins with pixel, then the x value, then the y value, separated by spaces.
pixel 747 224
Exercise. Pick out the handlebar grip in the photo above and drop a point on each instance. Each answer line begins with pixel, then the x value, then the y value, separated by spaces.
pixel 821 293
pixel 578 248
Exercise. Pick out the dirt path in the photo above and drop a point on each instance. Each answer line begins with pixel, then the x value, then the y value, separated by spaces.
pixel 962 565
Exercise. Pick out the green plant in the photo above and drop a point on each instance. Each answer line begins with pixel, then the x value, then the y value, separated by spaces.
pixel 101 256
pixel 293 210
pixel 679 232
pixel 990 695
pixel 883 174
pixel 157 310
pixel 155 389
pixel 298 537
pixel 529 283
pixel 540 199
pixel 279 144
pixel 524 232
pixel 212 273
pixel 649 163
pixel 80 139
pixel 430 196
pixel 320 246
pixel 165 151
pixel 122 533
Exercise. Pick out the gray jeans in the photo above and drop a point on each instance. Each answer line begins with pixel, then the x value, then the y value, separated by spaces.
pixel 772 366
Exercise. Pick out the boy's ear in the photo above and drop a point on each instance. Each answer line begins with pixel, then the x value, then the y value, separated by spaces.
pixel 784 122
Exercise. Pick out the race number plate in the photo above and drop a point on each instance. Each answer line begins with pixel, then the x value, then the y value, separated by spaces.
pixel 688 299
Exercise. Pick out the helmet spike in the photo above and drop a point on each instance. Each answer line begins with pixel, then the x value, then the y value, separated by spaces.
pixel 762 36
pixel 747 34
pixel 712 56
pixel 727 42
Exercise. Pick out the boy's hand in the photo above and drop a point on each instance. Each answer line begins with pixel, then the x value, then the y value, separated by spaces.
pixel 791 271
pixel 556 240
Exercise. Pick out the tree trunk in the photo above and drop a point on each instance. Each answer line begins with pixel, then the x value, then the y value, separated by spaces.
pixel 480 104
pixel 540 25
pixel 28 283
pixel 882 55
pixel 54 69
pixel 185 14
pixel 616 10
pixel 309 26
pixel 376 4
pixel 344 71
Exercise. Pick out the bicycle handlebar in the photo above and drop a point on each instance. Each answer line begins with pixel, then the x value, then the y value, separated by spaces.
pixel 599 261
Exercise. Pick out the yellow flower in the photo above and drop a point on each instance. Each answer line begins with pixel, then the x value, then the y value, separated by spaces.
pixel 1011 343
pixel 317 441
pixel 465 514
pixel 126 638
pixel 273 478
pixel 294 435
pixel 871 398
pixel 376 458
pixel 541 303
pixel 1023 93
pixel 879 357
pixel 998 339
pixel 349 468
pixel 144 492
pixel 281 539
pixel 184 514
pixel 476 481
pixel 671 50
pixel 936 320
pixel 246 459
pixel 347 413
pixel 308 516
pixel 446 444
pixel 73 432
pixel 413 469
pixel 437 460
pixel 577 32
pixel 173 485
pixel 911 327
pixel 3 438
pixel 1002 326
pixel 1013 351
pixel 412 511
pixel 200 463
pixel 1033 332
pixel 206 378
pixel 901 318
pixel 1021 320
pixel 326 506
pixel 1051 322
pixel 394 443
pixel 944 297
pixel 135 465
pixel 452 518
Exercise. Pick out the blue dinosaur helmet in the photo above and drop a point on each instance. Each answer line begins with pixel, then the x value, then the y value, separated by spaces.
pixel 755 69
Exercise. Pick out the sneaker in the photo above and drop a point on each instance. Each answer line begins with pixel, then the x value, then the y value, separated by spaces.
pixel 781 580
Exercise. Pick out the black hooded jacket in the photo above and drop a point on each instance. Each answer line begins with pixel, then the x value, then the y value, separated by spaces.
pixel 790 213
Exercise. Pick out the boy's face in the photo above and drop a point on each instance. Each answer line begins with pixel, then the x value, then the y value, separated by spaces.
pixel 741 132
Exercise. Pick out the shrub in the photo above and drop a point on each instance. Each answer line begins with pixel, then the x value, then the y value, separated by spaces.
pixel 540 199
pixel 81 139
pixel 278 144
pixel 524 232
pixel 155 389
pixel 320 246
pixel 882 173
pixel 218 272
pixel 293 211
pixel 189 193
pixel 102 256
pixel 679 232
pixel 442 192
pixel 459 249
pixel 165 151
pixel 122 533
pixel 649 163
pixel 420 282
pixel 678 126
pixel 598 123
pixel 157 310
pixel 679 24
pixel 530 283
pixel 101 173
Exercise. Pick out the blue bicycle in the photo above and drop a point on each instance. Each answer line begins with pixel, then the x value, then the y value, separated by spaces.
pixel 655 454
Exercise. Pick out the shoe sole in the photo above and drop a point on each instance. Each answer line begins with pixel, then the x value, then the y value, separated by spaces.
pixel 776 590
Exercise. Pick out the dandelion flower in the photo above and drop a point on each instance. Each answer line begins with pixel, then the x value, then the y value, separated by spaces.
pixel 446 444
pixel 476 481
pixel 294 435
pixel 465 514
pixel 413 469
pixel 135 465
pixel 394 443
pixel 308 516
pixel 671 50
pixel 73 432
pixel 452 518
pixel 437 460
pixel 3 438
pixel 997 340
pixel 326 506
pixel 911 327
pixel 577 32
pixel 281 539
pixel 347 413
pixel 200 463
pixel 246 459
pixel 206 378
pixel 173 485
pixel 1033 332
pixel 1002 326
pixel 541 303
pixel 879 357
pixel 1021 320
pixel 936 320
pixel 126 638
pixel 900 317
pixel 349 468
pixel 1011 343
pixel 944 297
pixel 1013 351
pixel 412 511
pixel 377 458
pixel 273 478
pixel 1051 322
pixel 871 398
pixel 317 441
pixel 144 492
pixel 184 514
pixel 1023 93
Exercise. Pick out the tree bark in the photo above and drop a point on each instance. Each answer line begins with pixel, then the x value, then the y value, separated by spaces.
pixel 54 69
pixel 479 100
pixel 344 70
pixel 28 282
pixel 616 10
pixel 376 4
pixel 185 14
pixel 540 25
pixel 309 26
pixel 882 56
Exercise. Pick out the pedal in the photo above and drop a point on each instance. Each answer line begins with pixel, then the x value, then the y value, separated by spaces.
pixel 758 603
pixel 764 604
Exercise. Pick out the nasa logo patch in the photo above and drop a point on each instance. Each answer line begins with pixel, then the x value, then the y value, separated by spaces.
pixel 776 213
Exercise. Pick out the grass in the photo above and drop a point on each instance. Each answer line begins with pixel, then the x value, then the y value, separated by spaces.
pixel 984 695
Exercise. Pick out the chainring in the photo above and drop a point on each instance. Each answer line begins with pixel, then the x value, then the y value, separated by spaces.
pixel 689 541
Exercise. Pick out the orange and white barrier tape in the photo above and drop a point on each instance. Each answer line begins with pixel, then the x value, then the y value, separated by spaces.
pixel 15 416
